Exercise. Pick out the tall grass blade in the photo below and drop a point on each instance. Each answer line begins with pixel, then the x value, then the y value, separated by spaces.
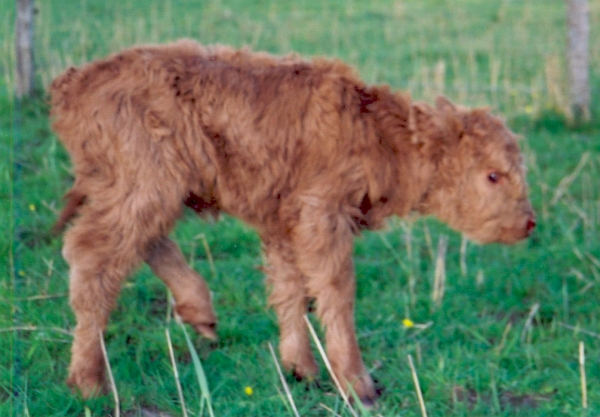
pixel 205 393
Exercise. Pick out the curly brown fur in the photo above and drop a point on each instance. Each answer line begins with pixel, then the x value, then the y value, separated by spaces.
pixel 303 151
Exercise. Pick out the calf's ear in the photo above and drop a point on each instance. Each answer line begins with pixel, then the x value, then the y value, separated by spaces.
pixel 451 113
pixel 439 126
pixel 444 105
pixel 420 122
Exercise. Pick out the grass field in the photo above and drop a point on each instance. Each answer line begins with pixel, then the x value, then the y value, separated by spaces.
pixel 502 340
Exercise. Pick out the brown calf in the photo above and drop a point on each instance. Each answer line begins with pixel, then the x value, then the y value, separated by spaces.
pixel 303 151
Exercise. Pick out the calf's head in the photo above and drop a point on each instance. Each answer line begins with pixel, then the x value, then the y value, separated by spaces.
pixel 477 179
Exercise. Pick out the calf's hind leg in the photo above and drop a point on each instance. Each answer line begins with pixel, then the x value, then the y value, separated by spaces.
pixel 192 297
pixel 99 258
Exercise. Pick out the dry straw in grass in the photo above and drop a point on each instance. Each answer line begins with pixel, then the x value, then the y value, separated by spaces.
pixel 328 366
pixel 328 409
pixel 113 387
pixel 505 334
pixel 584 397
pixel 394 253
pixel 417 386
pixel 527 327
pixel 439 283
pixel 176 374
pixel 429 241
pixel 209 256
pixel 566 182
pixel 555 85
pixel 31 328
pixel 577 329
pixel 480 278
pixel 412 281
pixel 463 256
pixel 285 385
pixel 581 277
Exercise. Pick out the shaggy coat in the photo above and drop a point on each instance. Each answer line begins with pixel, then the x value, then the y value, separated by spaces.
pixel 303 151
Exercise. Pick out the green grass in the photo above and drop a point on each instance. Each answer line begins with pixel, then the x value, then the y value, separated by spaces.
pixel 476 356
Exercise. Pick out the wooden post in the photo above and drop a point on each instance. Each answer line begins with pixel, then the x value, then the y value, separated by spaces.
pixel 578 58
pixel 24 48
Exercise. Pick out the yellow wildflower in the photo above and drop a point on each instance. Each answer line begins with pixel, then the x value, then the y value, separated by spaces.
pixel 249 391
pixel 32 207
pixel 408 323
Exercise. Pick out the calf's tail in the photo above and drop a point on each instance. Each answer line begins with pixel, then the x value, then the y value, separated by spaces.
pixel 75 200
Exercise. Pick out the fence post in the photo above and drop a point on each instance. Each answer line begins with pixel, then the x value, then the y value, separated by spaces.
pixel 24 48
pixel 578 58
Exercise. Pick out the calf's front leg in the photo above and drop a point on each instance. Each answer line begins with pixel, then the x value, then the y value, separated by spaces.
pixel 323 243
pixel 289 300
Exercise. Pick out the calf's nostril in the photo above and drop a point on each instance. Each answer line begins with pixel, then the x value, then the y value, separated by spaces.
pixel 530 225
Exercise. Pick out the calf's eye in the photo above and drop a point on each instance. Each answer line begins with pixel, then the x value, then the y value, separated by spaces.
pixel 493 177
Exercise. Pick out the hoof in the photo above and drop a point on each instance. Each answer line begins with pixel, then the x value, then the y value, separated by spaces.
pixel 207 330
pixel 88 387
pixel 307 372
pixel 366 391
pixel 369 401
pixel 307 379
pixel 203 320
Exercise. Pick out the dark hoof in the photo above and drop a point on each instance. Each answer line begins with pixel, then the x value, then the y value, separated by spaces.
pixel 369 400
pixel 309 382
